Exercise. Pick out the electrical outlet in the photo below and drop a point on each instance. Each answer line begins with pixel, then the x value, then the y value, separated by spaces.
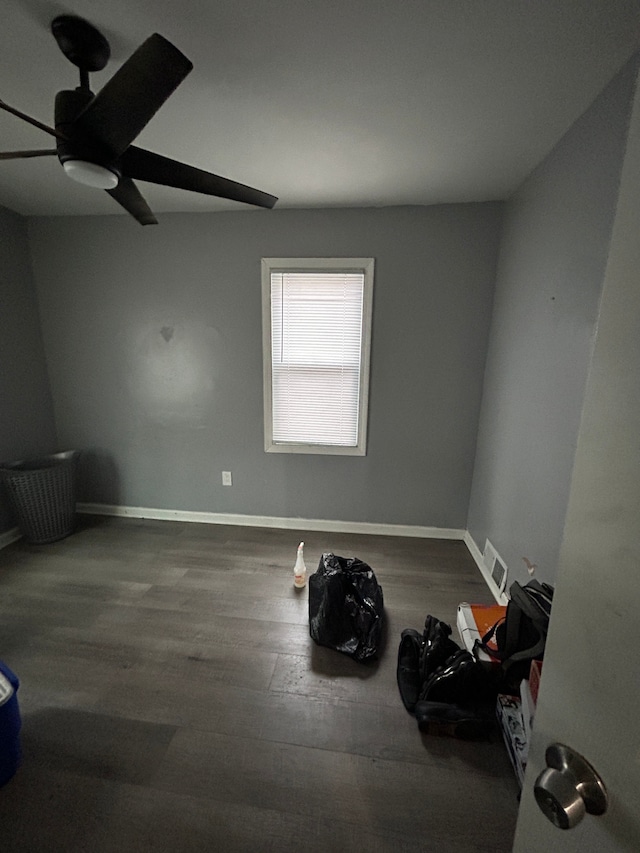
pixel 226 478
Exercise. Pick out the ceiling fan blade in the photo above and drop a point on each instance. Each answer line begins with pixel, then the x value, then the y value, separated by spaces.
pixel 129 196
pixel 17 155
pixel 33 121
pixel 125 104
pixel 147 166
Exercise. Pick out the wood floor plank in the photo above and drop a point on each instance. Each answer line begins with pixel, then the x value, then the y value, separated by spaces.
pixel 299 780
pixel 102 746
pixel 173 700
pixel 98 815
pixel 56 660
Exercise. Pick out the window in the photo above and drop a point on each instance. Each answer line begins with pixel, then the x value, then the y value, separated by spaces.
pixel 316 317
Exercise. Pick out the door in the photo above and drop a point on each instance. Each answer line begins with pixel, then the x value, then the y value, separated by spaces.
pixel 590 690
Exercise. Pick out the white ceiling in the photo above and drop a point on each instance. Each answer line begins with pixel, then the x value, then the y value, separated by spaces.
pixel 327 103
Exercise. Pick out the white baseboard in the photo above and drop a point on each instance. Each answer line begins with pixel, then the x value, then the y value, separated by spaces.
pixel 331 526
pixel 476 553
pixel 9 536
pixel 367 527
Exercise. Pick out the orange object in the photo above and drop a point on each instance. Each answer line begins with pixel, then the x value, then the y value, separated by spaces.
pixel 534 679
pixel 486 616
pixel 474 620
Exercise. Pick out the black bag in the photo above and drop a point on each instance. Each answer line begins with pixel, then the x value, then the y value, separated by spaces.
pixel 346 606
pixel 522 634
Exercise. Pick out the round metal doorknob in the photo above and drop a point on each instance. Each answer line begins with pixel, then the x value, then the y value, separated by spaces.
pixel 559 799
pixel 568 788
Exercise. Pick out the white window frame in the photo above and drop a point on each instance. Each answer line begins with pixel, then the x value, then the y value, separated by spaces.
pixel 340 265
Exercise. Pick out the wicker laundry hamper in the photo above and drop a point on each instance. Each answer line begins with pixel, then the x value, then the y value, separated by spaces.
pixel 42 495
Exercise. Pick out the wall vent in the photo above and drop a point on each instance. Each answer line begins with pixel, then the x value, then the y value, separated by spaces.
pixel 495 566
pixel 499 575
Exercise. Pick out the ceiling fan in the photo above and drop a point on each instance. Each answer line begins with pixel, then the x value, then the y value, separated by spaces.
pixel 94 132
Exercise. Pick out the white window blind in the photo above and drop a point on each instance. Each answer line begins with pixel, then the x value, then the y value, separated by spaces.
pixel 316 354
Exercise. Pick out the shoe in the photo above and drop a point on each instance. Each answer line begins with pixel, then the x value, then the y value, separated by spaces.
pixel 408 671
pixel 453 720
pixel 438 647
pixel 455 682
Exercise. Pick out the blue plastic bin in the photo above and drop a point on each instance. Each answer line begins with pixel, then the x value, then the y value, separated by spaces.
pixel 10 724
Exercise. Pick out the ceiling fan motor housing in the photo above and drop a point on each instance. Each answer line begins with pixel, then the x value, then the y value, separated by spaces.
pixel 69 104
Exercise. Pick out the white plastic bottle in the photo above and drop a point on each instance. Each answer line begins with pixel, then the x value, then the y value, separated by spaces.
pixel 300 570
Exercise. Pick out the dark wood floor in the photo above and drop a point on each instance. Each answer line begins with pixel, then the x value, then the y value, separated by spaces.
pixel 172 700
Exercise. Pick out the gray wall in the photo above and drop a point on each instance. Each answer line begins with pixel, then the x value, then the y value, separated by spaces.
pixel 153 341
pixel 551 268
pixel 26 413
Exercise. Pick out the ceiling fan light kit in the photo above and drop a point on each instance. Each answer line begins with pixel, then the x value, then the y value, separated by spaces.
pixel 91 174
pixel 94 133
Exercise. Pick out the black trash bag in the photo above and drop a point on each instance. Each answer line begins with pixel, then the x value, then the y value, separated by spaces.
pixel 346 606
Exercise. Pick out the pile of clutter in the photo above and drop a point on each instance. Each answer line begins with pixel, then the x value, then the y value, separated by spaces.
pixel 442 685
pixel 449 689
pixel 462 691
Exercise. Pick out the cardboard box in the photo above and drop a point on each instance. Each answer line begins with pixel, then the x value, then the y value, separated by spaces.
pixel 509 714
pixel 528 709
pixel 474 620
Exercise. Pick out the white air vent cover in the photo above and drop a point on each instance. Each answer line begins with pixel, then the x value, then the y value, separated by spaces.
pixel 499 575
pixel 495 565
